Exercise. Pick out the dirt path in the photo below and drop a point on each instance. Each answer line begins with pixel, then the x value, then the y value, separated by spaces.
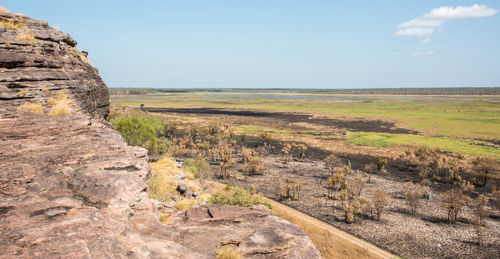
pixel 314 226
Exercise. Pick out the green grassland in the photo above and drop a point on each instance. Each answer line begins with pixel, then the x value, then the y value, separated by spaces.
pixel 450 122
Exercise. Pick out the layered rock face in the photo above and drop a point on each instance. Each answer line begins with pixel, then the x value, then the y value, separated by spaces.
pixel 36 60
pixel 70 187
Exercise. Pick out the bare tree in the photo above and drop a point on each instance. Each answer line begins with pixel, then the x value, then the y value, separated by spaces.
pixel 453 202
pixel 413 194
pixel 479 208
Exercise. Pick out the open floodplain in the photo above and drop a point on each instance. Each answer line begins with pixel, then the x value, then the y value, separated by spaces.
pixel 437 141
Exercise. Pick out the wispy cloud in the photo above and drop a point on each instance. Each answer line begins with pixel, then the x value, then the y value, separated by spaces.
pixel 427 53
pixel 426 25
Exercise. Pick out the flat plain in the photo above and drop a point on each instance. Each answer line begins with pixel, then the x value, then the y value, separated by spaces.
pixel 359 129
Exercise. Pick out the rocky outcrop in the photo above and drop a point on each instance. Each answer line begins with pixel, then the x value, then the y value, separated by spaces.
pixel 70 187
pixel 37 60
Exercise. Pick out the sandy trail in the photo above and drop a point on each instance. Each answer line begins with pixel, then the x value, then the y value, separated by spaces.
pixel 372 250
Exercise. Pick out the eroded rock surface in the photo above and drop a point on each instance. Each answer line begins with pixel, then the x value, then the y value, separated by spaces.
pixel 70 187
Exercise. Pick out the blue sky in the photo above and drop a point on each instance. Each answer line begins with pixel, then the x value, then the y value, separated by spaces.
pixel 282 43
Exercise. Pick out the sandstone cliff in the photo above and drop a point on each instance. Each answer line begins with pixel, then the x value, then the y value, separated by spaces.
pixel 70 187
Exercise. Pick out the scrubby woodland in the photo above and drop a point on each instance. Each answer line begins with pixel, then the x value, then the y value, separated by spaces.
pixel 380 199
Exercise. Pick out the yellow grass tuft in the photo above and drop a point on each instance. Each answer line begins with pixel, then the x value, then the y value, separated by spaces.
pixel 12 25
pixel 61 105
pixel 4 10
pixel 22 92
pixel 161 183
pixel 228 252
pixel 45 90
pixel 185 204
pixel 27 37
pixel 32 107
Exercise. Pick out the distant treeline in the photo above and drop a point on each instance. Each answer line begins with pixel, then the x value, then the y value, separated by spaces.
pixel 395 91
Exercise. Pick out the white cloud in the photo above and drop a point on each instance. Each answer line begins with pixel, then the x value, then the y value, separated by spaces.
pixel 425 40
pixel 427 53
pixel 427 24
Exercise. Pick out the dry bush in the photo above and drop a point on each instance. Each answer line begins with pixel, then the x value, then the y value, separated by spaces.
pixel 185 204
pixel 380 200
pixel 371 168
pixel 170 128
pixel 227 252
pixel 27 37
pixel 253 164
pixel 301 151
pixel 352 208
pixel 61 105
pixel 381 165
pixel 413 194
pixel 332 162
pixel 32 107
pixel 12 25
pixel 453 202
pixel 483 169
pixel 480 209
pixel 226 156
pixel 479 230
pixel 287 148
pixel 290 189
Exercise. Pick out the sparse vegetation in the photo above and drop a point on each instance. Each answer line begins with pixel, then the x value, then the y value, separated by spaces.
pixel 289 190
pixel 185 204
pixel 161 183
pixel 199 167
pixel 61 105
pixel 352 196
pixel 12 24
pixel 27 37
pixel 32 107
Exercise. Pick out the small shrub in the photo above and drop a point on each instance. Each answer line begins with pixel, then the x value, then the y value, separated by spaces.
pixel 142 131
pixel 32 107
pixel 185 204
pixel 289 190
pixel 479 207
pixel 228 252
pixel 239 197
pixel 27 37
pixel 199 167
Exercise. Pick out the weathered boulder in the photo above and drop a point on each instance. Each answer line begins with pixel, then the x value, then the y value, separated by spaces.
pixel 70 187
